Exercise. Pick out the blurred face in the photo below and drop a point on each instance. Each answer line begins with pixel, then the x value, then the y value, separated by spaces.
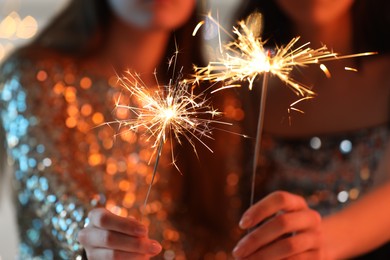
pixel 315 12
pixel 153 14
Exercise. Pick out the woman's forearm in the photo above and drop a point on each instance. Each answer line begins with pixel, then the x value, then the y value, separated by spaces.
pixel 361 227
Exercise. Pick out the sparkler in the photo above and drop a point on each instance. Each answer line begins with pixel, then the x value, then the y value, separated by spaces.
pixel 171 111
pixel 246 58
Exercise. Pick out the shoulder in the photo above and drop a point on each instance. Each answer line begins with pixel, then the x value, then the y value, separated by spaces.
pixel 32 68
pixel 28 76
pixel 26 62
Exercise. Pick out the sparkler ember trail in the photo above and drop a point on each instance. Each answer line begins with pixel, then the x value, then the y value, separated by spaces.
pixel 164 113
pixel 245 58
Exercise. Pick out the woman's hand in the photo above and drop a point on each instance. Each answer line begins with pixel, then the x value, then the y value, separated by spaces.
pixel 109 236
pixel 288 229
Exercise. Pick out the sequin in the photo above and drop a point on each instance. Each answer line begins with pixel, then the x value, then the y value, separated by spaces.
pixel 315 143
pixel 345 146
pixel 342 196
pixel 329 175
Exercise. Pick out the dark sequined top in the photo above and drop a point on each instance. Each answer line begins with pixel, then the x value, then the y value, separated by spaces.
pixel 329 171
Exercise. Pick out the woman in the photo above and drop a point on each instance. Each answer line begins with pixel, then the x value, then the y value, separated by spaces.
pixel 334 159
pixel 54 93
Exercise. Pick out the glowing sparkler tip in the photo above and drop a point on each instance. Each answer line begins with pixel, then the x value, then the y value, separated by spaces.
pixel 246 58
pixel 169 113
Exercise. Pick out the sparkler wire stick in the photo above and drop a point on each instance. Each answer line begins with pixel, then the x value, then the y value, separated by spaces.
pixel 154 172
pixel 260 126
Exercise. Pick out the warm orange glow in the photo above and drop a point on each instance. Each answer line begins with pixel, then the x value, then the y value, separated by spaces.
pixel 128 200
pixel 122 113
pixel 59 88
pixel 86 109
pixel 82 126
pixel 71 122
pixel 108 143
pixel 111 168
pixel 41 75
pixel 124 185
pixel 110 204
pixel 85 83
pixel 98 118
pixel 95 159
pixel 70 94
pixel 122 166
pixel 128 136
pixel 170 234
pixel 72 110
pixel 144 155
pixel 142 169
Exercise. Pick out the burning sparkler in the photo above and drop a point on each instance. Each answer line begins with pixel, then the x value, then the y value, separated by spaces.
pixel 245 58
pixel 168 112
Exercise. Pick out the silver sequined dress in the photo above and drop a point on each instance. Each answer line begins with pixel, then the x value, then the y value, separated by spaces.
pixel 65 162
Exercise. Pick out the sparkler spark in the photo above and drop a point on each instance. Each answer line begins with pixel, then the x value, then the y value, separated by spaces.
pixel 245 58
pixel 172 110
pixel 165 113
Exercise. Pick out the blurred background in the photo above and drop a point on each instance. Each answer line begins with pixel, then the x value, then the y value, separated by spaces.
pixel 21 21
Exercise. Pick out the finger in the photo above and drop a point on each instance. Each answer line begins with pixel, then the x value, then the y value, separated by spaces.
pixel 99 238
pixel 103 253
pixel 271 205
pixel 104 219
pixel 275 228
pixel 288 247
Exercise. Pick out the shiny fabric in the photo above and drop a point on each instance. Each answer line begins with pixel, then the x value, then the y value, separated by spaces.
pixel 328 171
pixel 66 161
